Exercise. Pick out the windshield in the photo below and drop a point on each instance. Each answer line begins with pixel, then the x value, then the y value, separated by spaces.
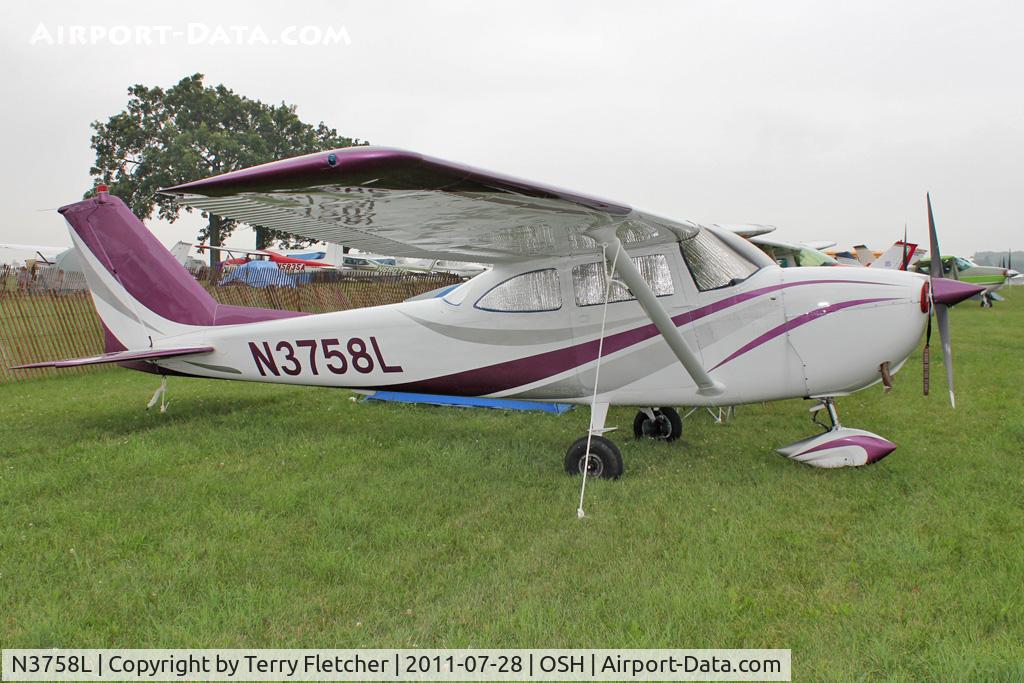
pixel 713 263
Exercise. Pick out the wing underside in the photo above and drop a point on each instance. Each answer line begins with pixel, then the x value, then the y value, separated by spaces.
pixel 404 204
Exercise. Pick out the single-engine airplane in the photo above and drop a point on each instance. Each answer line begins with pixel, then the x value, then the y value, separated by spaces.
pixel 589 302
pixel 238 256
pixel 990 278
pixel 902 255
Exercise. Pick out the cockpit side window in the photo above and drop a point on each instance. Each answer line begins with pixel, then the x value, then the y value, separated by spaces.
pixel 713 263
pixel 531 292
pixel 588 280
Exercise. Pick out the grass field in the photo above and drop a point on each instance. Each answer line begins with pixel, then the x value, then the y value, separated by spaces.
pixel 259 516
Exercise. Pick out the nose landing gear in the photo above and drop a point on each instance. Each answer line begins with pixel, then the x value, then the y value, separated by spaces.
pixel 839 446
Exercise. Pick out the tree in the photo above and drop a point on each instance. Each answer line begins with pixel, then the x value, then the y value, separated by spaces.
pixel 190 131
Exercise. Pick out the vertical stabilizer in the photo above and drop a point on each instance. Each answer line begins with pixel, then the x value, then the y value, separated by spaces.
pixel 142 293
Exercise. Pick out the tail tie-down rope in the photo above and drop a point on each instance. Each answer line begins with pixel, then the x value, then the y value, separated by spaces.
pixel 597 369
pixel 160 393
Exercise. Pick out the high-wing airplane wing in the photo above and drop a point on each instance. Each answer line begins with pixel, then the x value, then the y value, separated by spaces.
pixel 402 203
pixel 747 230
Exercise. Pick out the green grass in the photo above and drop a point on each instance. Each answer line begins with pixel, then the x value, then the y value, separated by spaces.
pixel 259 516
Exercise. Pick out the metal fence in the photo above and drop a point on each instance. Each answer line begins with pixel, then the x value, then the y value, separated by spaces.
pixel 49 314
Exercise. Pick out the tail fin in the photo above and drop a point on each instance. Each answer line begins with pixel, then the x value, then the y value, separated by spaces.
pixel 180 252
pixel 864 255
pixel 897 257
pixel 141 292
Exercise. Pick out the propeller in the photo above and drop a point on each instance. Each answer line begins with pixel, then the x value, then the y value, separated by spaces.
pixel 944 293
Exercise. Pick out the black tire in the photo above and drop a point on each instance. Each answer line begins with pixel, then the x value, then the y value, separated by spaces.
pixel 605 460
pixel 667 425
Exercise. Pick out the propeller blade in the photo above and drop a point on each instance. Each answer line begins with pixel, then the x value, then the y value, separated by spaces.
pixel 942 318
pixel 926 362
pixel 935 266
pixel 903 263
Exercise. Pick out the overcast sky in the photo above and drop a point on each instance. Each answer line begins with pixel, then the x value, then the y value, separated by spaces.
pixel 830 120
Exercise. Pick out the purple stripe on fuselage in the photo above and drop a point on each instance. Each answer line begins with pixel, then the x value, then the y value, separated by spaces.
pixel 523 371
pixel 801 319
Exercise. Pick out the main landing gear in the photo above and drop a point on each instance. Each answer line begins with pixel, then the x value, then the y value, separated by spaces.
pixel 603 458
pixel 661 424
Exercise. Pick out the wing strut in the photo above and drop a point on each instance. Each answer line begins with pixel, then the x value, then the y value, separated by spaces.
pixel 625 269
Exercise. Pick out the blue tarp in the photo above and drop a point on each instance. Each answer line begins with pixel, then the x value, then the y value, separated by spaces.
pixel 468 401
pixel 259 274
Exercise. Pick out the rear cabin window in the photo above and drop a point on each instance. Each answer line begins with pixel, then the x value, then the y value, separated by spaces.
pixel 713 263
pixel 588 280
pixel 527 293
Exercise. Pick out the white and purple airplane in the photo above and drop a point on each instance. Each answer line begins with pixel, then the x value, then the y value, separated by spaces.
pixel 691 315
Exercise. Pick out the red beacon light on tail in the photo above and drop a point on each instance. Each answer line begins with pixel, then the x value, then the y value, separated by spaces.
pixel 102 191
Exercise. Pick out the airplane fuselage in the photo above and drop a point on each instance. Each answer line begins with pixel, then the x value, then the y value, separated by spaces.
pixel 774 335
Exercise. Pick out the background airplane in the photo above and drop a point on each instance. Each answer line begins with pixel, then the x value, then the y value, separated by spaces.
pixel 792 254
pixel 18 254
pixel 286 263
pixel 992 278
pixel 811 254
pixel 900 256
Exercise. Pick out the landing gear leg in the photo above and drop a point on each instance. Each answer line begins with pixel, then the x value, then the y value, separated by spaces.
pixel 829 406
pixel 603 458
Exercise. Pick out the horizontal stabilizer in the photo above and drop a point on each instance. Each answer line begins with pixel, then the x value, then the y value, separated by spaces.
pixel 117 357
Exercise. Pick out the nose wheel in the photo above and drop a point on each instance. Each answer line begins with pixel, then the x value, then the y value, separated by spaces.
pixel 660 424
